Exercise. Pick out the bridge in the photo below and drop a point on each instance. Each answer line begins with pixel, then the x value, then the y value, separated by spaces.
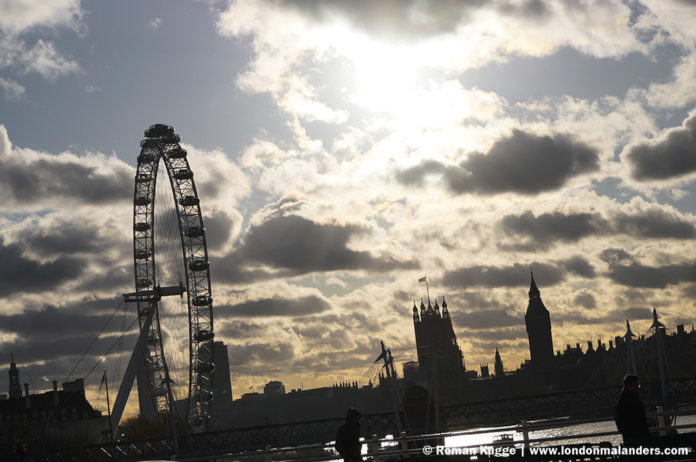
pixel 577 404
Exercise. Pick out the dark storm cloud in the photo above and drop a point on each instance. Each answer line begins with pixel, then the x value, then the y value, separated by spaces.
pixel 523 163
pixel 639 275
pixel 263 353
pixel 586 300
pixel 279 307
pixel 20 274
pixel 50 179
pixel 506 276
pixel 476 299
pixel 412 19
pixel 72 347
pixel 689 291
pixel 236 329
pixel 616 317
pixel 52 322
pixel 59 336
pixel 556 226
pixel 113 277
pixel 217 230
pixel 614 256
pixel 296 245
pixel 672 156
pixel 654 223
pixel 542 231
pixel 406 19
pixel 67 237
pixel 486 319
pixel 509 333
pixel 579 266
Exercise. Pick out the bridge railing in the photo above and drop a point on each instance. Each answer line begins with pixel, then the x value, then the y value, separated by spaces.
pixel 385 448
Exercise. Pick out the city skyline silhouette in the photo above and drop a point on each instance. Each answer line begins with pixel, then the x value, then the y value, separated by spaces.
pixel 341 152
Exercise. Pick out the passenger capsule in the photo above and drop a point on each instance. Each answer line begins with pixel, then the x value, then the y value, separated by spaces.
pixel 178 153
pixel 141 227
pixel 183 174
pixel 171 139
pixel 142 254
pixel 189 201
pixel 142 200
pixel 205 367
pixel 159 130
pixel 202 300
pixel 146 157
pixel 194 231
pixel 203 335
pixel 199 264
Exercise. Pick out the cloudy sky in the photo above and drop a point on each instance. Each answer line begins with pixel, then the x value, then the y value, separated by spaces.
pixel 342 150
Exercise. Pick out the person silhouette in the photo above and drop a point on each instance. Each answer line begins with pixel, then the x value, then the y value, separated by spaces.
pixel 629 413
pixel 348 437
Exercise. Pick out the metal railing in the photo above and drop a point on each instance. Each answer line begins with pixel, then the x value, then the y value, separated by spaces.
pixel 400 445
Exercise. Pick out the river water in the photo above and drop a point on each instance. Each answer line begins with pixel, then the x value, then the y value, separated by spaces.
pixel 570 430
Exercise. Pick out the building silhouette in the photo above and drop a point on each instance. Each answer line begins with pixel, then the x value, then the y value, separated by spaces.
pixel 498 367
pixel 15 390
pixel 222 385
pixel 440 371
pixel 50 419
pixel 538 323
pixel 436 342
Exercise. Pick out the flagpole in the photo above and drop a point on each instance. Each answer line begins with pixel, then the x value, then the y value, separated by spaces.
pixel 427 288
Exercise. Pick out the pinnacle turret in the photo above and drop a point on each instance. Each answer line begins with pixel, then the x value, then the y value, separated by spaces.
pixel 533 289
pixel 656 322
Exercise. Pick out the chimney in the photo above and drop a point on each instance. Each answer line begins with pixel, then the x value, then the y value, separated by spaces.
pixel 55 393
pixel 26 394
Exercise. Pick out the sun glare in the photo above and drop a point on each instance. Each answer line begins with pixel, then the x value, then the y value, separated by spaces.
pixel 386 77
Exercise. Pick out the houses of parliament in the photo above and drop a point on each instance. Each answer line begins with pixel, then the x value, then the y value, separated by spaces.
pixel 441 369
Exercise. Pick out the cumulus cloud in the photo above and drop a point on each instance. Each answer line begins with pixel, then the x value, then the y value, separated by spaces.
pixel 298 246
pixel 523 163
pixel 60 322
pixel 17 57
pixel 670 156
pixel 585 299
pixel 260 353
pixel 639 275
pixel 579 266
pixel 486 319
pixel 13 91
pixel 503 276
pixel 20 274
pixel 278 307
pixel 405 19
pixel 30 179
pixel 543 230
pixel 546 228
pixel 44 59
pixel 617 316
pixel 62 234
pixel 614 256
pixel 17 16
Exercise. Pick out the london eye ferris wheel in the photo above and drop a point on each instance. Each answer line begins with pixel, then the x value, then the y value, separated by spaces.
pixel 170 259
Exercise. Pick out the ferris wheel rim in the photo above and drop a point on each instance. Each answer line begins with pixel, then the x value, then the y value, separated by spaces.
pixel 161 145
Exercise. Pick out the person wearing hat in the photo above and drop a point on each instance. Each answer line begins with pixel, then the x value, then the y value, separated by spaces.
pixel 348 437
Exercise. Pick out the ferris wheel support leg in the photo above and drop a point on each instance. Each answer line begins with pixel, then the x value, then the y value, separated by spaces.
pixel 127 382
